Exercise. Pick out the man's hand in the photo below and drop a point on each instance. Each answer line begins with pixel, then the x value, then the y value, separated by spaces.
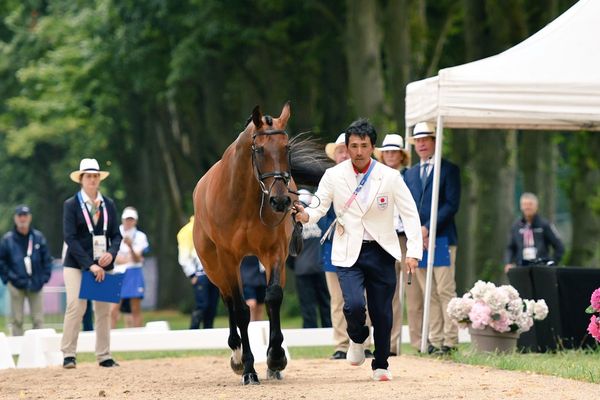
pixel 98 272
pixel 194 279
pixel 105 259
pixel 301 215
pixel 425 234
pixel 507 267
pixel 411 264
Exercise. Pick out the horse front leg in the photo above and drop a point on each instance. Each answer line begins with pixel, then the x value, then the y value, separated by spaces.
pixel 242 319
pixel 276 358
pixel 234 341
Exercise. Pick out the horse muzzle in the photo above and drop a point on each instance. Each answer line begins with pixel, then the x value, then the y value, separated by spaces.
pixel 280 203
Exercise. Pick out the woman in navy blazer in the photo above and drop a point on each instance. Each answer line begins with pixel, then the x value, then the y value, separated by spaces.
pixel 91 233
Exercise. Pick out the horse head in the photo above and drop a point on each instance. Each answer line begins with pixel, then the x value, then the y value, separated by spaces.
pixel 271 157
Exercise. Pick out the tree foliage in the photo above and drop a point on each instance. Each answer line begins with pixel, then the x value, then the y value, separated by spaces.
pixel 156 90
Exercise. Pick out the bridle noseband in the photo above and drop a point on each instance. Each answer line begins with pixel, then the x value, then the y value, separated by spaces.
pixel 285 176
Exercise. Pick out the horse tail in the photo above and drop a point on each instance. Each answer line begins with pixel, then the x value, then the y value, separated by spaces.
pixel 308 160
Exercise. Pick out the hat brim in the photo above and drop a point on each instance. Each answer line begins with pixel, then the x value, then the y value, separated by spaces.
pixel 75 175
pixel 330 150
pixel 377 153
pixel 411 139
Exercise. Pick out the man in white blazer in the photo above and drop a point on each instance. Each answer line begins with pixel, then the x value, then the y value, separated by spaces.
pixel 365 243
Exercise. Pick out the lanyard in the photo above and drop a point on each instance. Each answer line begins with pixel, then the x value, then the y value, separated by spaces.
pixel 30 246
pixel 349 202
pixel 86 215
pixel 360 186
pixel 528 240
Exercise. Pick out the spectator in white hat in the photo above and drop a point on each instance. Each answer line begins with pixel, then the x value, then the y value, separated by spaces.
pixel 91 232
pixel 129 261
pixel 443 333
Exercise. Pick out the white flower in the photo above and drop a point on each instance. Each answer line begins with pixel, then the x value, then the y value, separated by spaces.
pixel 501 308
pixel 481 288
pixel 540 310
pixel 510 291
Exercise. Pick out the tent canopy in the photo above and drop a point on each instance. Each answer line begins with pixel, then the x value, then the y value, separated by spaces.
pixel 549 81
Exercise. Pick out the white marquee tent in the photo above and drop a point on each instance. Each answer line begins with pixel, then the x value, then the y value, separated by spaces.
pixel 549 81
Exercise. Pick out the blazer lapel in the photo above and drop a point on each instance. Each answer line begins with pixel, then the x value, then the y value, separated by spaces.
pixel 350 178
pixel 374 184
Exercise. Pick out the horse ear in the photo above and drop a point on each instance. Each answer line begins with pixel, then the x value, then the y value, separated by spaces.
pixel 257 117
pixel 285 114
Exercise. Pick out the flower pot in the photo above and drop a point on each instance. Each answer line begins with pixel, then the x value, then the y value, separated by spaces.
pixel 490 340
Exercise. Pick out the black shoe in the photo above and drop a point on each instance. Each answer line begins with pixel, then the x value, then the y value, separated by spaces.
pixel 431 349
pixel 338 355
pixel 69 363
pixel 369 354
pixel 108 363
pixel 447 350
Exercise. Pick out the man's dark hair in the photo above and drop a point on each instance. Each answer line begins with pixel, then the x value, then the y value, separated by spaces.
pixel 362 128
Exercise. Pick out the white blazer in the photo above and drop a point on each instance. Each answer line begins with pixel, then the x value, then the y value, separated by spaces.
pixel 386 189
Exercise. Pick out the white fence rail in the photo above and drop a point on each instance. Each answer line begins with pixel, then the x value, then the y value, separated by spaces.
pixel 41 347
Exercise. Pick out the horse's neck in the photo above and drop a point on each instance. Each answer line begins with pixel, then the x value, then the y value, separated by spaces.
pixel 237 162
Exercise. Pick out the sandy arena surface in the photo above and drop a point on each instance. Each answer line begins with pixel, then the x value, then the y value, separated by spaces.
pixel 211 378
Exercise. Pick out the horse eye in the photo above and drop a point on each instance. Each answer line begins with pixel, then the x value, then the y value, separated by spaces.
pixel 260 149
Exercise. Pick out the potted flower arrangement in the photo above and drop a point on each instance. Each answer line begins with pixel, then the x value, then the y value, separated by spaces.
pixel 594 308
pixel 495 315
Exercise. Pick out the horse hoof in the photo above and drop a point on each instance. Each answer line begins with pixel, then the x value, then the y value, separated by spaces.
pixel 274 375
pixel 276 359
pixel 238 368
pixel 250 379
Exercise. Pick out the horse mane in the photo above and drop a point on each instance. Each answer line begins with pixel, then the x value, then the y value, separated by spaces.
pixel 308 160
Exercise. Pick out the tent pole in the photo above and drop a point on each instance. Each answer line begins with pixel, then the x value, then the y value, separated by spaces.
pixel 439 137
pixel 401 285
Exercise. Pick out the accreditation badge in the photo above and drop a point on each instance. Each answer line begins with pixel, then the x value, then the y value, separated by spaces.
pixel 529 253
pixel 27 262
pixel 99 245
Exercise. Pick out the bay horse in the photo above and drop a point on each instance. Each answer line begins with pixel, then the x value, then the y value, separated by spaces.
pixel 242 206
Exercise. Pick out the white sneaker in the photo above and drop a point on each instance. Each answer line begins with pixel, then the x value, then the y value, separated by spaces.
pixel 382 375
pixel 356 354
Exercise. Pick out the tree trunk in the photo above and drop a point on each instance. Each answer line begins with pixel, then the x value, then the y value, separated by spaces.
pixel 397 46
pixel 364 60
pixel 584 192
pixel 538 161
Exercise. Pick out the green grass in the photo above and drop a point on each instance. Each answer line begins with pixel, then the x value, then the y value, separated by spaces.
pixel 581 365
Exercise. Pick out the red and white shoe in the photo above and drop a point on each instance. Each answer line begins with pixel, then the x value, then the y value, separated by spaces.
pixel 382 375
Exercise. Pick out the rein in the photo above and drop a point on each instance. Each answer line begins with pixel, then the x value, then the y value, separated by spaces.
pixel 285 176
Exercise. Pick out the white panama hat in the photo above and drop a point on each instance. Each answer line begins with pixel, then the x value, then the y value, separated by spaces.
pixel 422 129
pixel 89 166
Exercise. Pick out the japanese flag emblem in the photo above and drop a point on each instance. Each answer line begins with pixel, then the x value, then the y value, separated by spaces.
pixel 382 202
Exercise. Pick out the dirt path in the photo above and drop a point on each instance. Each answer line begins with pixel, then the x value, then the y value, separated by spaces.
pixel 211 378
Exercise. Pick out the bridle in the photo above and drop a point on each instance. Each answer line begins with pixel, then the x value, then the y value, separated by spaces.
pixel 260 176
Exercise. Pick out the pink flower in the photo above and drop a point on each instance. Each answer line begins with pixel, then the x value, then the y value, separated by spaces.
pixel 480 315
pixel 594 327
pixel 595 300
pixel 502 324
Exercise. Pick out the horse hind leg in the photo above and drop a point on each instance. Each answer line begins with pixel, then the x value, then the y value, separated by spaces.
pixel 276 358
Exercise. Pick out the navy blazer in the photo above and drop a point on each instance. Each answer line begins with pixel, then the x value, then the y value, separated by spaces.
pixel 449 198
pixel 78 238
